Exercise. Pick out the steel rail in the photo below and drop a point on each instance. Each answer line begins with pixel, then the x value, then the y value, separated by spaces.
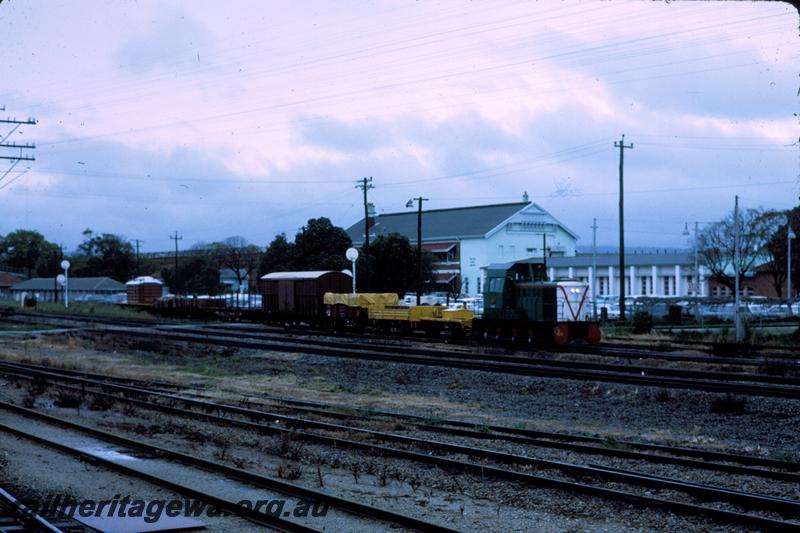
pixel 698 490
pixel 26 518
pixel 484 433
pixel 252 478
pixel 222 503
pixel 525 357
pixel 448 360
pixel 624 351
pixel 499 431
pixel 793 353
pixel 721 515
pixel 209 332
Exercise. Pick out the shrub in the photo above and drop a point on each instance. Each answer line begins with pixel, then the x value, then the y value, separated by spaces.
pixel 642 322
pixel 729 405
pixel 68 399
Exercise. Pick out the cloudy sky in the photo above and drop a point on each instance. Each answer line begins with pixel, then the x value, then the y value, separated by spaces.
pixel 248 118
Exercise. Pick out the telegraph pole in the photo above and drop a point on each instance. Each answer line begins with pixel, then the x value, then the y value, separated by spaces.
pixel 621 145
pixel 594 269
pixel 16 158
pixel 736 262
pixel 365 184
pixel 544 252
pixel 410 203
pixel 137 241
pixel 176 238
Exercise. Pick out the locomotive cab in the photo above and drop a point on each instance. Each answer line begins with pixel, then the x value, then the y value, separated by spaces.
pixel 520 303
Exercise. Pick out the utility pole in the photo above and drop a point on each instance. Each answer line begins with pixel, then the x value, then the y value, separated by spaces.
pixel 544 252
pixel 621 145
pixel 594 269
pixel 789 236
pixel 365 184
pixel 176 238
pixel 736 262
pixel 137 241
pixel 16 158
pixel 410 203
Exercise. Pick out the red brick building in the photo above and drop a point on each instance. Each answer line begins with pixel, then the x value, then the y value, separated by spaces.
pixel 757 283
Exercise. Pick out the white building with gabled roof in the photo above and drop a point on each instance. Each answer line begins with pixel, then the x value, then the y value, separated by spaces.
pixel 467 239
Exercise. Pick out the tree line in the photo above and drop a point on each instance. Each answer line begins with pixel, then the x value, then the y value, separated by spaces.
pixel 763 244
pixel 318 245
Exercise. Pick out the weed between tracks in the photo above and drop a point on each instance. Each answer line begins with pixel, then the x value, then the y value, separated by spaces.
pixel 729 405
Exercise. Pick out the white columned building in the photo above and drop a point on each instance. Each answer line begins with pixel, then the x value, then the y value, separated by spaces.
pixel 465 240
pixel 651 274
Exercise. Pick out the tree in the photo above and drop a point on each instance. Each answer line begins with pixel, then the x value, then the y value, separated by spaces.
pixel 776 247
pixel 393 264
pixel 715 244
pixel 236 254
pixel 199 275
pixel 105 254
pixel 319 245
pixel 774 250
pixel 278 257
pixel 28 250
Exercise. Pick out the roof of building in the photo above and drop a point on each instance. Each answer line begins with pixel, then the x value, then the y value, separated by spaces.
pixel 440 224
pixel 298 275
pixel 8 279
pixel 612 259
pixel 100 284
pixel 141 280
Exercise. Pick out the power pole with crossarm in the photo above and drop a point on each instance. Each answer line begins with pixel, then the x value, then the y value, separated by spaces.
pixel 365 184
pixel 176 238
pixel 621 145
pixel 23 148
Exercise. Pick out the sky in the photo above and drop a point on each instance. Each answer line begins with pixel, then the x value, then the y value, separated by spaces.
pixel 250 117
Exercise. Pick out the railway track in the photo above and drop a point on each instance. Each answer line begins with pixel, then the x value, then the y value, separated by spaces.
pixel 710 381
pixel 776 362
pixel 711 460
pixel 526 358
pixel 135 448
pixel 405 448
pixel 16 517
pixel 721 353
pixel 733 383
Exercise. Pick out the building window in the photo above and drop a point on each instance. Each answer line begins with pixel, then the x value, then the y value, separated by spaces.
pixel 602 286
pixel 689 290
pixel 721 290
pixel 530 250
pixel 512 251
pixel 478 283
pixel 627 285
pixel 501 249
pixel 466 286
pixel 645 286
pixel 669 285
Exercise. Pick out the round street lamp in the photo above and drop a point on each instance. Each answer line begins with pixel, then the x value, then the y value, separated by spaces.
pixel 352 255
pixel 63 279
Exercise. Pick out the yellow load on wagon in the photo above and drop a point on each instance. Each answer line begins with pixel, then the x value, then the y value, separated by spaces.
pixel 405 313
pixel 367 300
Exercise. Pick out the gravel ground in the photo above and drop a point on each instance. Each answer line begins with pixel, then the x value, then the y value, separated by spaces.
pixel 466 502
pixel 37 472
pixel 764 426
